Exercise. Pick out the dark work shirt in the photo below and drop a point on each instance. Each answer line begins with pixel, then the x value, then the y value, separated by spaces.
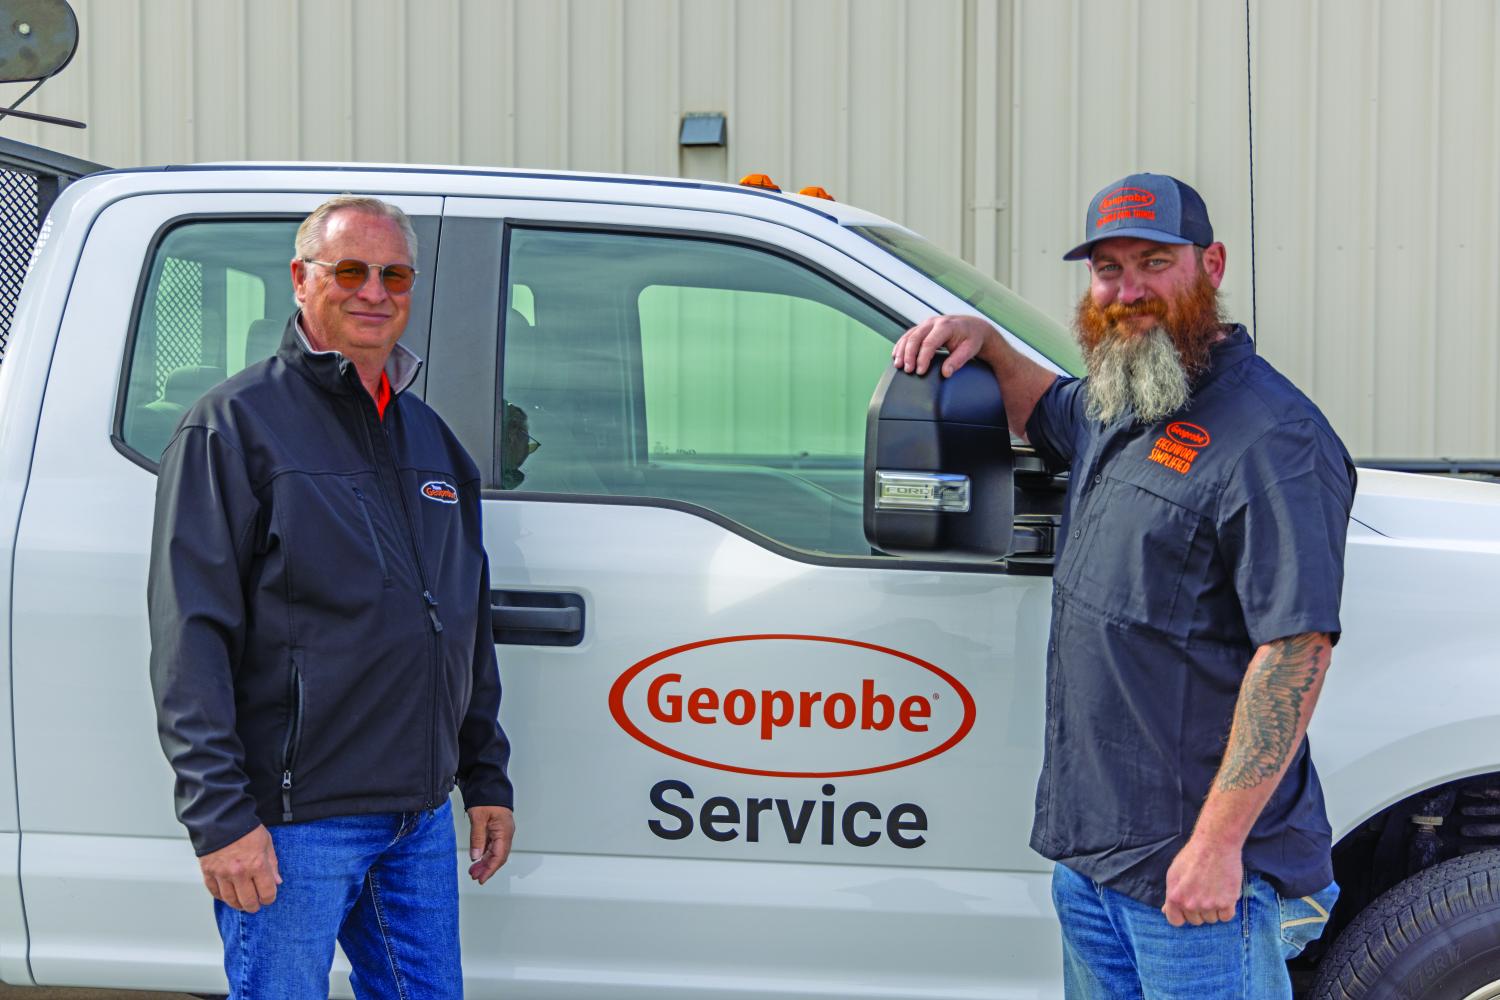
pixel 1186 544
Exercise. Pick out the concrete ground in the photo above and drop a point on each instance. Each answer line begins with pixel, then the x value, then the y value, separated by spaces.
pixel 47 993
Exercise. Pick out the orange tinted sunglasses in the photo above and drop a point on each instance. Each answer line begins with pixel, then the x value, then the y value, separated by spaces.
pixel 350 273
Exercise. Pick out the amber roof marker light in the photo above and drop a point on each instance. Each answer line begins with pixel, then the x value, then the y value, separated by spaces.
pixel 814 191
pixel 759 181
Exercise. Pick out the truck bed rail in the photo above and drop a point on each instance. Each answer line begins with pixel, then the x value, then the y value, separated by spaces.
pixel 1464 468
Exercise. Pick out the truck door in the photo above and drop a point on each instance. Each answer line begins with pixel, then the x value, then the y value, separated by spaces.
pixel 751 754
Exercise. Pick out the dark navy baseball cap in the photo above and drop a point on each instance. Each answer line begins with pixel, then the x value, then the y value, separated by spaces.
pixel 1147 206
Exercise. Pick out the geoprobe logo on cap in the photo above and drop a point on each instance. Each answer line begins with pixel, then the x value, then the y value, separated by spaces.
pixel 792 706
pixel 440 491
pixel 1125 203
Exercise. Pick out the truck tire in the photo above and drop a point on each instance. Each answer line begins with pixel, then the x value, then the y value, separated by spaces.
pixel 1435 935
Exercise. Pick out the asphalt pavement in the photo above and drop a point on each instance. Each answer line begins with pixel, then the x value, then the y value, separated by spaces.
pixel 48 993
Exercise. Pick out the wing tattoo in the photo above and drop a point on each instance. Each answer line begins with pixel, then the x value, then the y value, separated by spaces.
pixel 1269 711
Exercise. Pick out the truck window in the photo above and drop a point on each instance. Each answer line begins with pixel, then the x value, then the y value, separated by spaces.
pixel 983 293
pixel 710 373
pixel 215 300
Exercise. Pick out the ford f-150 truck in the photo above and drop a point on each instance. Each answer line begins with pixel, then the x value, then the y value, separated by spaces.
pixel 756 755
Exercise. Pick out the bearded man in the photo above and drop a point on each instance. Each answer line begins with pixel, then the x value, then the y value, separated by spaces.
pixel 1195 607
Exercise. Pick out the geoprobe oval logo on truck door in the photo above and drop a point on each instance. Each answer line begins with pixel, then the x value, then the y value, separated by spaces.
pixel 792 706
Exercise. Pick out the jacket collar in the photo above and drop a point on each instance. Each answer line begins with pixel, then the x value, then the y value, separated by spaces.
pixel 335 373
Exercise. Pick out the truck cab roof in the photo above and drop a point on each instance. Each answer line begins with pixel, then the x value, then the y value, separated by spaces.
pixel 460 181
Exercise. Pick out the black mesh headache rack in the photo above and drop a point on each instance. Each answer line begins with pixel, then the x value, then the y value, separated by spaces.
pixel 30 180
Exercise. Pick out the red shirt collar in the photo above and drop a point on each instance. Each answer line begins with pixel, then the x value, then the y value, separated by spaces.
pixel 382 394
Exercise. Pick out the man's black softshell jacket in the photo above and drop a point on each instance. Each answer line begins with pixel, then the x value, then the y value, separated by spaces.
pixel 319 603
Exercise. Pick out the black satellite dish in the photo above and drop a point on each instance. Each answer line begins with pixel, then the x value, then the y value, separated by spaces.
pixel 37 39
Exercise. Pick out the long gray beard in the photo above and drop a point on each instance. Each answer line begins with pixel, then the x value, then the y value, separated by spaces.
pixel 1141 373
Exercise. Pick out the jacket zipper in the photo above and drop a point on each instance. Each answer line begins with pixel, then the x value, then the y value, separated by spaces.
pixel 293 740
pixel 364 510
pixel 430 603
pixel 436 644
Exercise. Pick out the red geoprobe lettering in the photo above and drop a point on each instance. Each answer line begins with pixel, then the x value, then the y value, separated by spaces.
pixel 874 710
pixel 1126 197
pixel 774 708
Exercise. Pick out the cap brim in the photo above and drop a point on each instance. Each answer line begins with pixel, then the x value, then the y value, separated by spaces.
pixel 1081 251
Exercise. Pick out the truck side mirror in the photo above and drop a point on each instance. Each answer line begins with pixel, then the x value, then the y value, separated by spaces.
pixel 938 466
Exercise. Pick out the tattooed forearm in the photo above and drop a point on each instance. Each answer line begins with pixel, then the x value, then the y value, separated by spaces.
pixel 1268 715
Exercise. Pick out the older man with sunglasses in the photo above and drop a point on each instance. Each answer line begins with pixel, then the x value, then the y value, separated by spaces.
pixel 321 651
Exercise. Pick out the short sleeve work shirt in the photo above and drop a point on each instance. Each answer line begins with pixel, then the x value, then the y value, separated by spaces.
pixel 1186 544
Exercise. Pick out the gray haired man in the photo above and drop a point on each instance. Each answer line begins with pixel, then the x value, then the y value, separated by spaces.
pixel 321 654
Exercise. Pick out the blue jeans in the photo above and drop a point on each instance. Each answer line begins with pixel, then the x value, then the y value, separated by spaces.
pixel 1117 948
pixel 385 886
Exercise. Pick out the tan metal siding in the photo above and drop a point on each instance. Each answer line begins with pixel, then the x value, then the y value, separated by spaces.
pixel 984 124
pixel 1377 172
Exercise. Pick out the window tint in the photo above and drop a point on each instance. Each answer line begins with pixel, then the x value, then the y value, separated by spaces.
pixel 716 374
pixel 216 299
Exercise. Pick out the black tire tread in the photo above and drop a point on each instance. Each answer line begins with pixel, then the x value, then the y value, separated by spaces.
pixel 1404 914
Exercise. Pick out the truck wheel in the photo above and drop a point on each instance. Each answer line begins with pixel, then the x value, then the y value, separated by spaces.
pixel 1436 935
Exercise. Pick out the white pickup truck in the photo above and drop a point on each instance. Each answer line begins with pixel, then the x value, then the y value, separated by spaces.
pixel 755 756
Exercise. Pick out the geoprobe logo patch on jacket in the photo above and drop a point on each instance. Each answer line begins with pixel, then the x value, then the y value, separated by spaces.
pixel 440 491
pixel 792 706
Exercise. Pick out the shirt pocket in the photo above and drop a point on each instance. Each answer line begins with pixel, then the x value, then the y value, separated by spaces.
pixel 439 504
pixel 1134 561
pixel 338 546
pixel 365 506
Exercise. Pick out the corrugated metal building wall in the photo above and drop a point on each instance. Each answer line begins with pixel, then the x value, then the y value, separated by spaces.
pixel 984 124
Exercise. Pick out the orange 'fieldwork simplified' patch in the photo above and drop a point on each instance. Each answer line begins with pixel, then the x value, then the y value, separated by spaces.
pixel 1174 455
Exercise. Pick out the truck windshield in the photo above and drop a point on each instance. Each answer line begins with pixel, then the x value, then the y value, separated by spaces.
pixel 994 300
